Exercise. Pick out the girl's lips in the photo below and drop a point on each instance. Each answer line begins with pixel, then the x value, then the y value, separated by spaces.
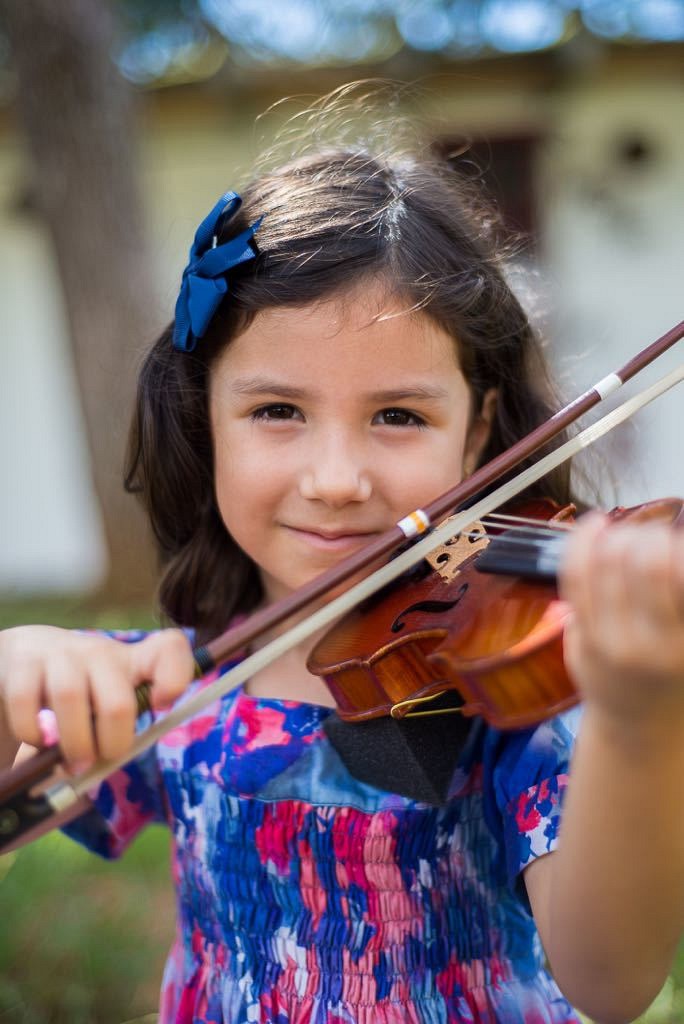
pixel 332 542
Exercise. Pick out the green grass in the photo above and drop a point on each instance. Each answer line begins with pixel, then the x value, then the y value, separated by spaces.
pixel 74 613
pixel 83 940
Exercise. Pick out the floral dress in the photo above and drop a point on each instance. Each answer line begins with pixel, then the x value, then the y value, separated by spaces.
pixel 308 897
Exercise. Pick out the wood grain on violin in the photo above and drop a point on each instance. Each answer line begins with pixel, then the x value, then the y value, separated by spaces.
pixel 494 638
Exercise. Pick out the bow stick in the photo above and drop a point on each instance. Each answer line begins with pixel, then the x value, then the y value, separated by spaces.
pixel 26 816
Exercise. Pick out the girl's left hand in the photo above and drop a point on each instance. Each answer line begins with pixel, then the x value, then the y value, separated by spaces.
pixel 624 644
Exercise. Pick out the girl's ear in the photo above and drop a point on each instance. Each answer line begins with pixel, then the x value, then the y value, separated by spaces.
pixel 479 431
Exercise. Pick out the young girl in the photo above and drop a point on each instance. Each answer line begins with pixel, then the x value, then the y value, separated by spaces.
pixel 347 350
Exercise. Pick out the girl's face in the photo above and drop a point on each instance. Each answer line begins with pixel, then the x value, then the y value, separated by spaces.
pixel 330 424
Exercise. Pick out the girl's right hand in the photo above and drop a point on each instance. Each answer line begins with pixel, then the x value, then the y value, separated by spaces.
pixel 88 681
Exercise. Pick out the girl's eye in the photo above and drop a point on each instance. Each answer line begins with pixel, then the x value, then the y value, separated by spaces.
pixel 399 418
pixel 276 411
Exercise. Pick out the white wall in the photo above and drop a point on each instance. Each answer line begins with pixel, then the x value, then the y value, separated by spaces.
pixel 50 536
pixel 614 244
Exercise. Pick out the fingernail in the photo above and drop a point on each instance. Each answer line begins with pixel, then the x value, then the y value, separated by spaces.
pixel 47 723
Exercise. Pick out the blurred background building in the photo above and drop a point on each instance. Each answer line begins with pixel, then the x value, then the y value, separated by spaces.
pixel 572 114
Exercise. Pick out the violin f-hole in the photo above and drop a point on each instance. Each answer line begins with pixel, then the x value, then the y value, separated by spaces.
pixel 435 607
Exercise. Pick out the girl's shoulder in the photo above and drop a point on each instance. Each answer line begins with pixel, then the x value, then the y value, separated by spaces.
pixel 524 756
pixel 510 763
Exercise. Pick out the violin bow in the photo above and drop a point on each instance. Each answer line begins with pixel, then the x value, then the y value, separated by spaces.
pixel 24 816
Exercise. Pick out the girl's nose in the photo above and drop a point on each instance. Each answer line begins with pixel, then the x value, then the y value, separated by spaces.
pixel 335 476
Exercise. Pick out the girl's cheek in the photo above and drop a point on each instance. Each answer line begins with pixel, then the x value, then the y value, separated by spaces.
pixel 246 461
pixel 431 478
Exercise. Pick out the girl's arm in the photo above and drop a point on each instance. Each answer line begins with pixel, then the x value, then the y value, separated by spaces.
pixel 609 903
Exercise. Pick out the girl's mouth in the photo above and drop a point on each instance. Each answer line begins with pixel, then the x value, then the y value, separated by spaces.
pixel 332 541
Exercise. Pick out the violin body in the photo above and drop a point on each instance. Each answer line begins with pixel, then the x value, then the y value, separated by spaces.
pixel 497 640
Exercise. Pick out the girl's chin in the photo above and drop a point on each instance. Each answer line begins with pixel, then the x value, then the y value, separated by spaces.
pixel 277 589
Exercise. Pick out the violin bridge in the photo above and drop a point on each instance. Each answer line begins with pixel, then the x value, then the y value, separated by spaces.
pixel 448 558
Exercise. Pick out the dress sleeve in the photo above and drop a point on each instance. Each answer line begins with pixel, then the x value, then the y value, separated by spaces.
pixel 128 800
pixel 123 805
pixel 529 774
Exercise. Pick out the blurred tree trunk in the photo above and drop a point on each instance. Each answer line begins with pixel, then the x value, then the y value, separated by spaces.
pixel 76 113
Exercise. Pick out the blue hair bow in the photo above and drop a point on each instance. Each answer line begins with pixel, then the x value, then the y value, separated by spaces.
pixel 204 283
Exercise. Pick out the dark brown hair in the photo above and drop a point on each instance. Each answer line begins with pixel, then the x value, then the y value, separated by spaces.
pixel 330 220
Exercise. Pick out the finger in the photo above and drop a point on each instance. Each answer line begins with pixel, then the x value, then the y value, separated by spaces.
pixel 654 577
pixel 23 698
pixel 591 591
pixel 115 708
pixel 635 582
pixel 613 615
pixel 659 599
pixel 25 752
pixel 67 693
pixel 630 609
pixel 678 562
pixel 165 660
pixel 575 578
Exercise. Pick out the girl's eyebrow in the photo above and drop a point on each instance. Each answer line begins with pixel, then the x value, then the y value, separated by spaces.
pixel 265 385
pixel 419 391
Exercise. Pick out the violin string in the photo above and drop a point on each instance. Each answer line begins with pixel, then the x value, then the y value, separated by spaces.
pixel 542 524
pixel 513 538
pixel 544 531
pixel 540 530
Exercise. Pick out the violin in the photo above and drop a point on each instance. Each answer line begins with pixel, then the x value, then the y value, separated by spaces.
pixel 477 633
pixel 485 620
pixel 484 667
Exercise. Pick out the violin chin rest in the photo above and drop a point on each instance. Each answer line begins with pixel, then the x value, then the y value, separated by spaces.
pixel 415 757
